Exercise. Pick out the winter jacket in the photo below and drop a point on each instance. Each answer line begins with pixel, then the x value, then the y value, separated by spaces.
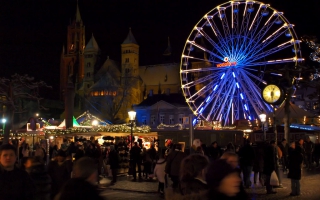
pixel 113 159
pixel 269 159
pixel 309 147
pixel 295 162
pixel 15 185
pixel 247 155
pixel 42 181
pixel 194 186
pixel 174 160
pixel 159 170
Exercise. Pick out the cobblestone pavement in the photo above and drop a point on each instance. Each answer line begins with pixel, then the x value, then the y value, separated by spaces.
pixel 310 189
pixel 121 195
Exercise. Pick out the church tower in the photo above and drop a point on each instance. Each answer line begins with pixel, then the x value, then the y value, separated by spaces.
pixel 91 56
pixel 72 58
pixel 130 79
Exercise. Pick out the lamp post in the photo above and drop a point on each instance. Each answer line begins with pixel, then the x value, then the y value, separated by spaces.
pixel 263 118
pixel 3 125
pixel 132 116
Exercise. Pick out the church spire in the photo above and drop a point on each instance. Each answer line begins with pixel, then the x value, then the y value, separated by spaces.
pixel 130 38
pixel 78 16
pixel 168 52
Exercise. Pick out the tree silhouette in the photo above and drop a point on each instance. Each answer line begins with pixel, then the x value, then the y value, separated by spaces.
pixel 12 91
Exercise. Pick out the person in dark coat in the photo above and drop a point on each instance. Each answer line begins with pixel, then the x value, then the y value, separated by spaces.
pixel 136 160
pixel 114 163
pixel 309 148
pixel 59 171
pixel 40 178
pixel 81 186
pixel 294 174
pixel 214 151
pixel 247 157
pixel 174 160
pixel 258 164
pixel 269 160
pixel 223 181
pixel 15 184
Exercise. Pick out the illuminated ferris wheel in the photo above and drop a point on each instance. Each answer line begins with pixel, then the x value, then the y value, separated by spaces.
pixel 226 56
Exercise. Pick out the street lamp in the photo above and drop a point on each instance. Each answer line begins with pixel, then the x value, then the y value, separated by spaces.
pixel 263 118
pixel 132 117
pixel 3 125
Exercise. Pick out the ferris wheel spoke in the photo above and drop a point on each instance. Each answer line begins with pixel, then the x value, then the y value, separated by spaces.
pixel 259 36
pixel 201 69
pixel 205 50
pixel 200 80
pixel 253 92
pixel 280 47
pixel 272 62
pixel 268 40
pixel 225 25
pixel 215 45
pixel 218 34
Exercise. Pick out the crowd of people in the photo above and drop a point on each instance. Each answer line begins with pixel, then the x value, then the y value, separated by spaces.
pixel 72 171
pixel 206 172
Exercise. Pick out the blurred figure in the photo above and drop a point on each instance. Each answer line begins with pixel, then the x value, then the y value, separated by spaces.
pixel 284 147
pixel 269 165
pixel 223 181
pixel 59 171
pixel 258 164
pixel 303 151
pixel 174 160
pixel 81 186
pixel 192 174
pixel 247 156
pixel 214 151
pixel 316 153
pixel 309 148
pixel 160 174
pixel 114 163
pixel 15 184
pixel 146 162
pixel 230 147
pixel 25 152
pixel 36 169
pixel 135 155
pixel 39 152
pixel 54 153
pixel 278 158
pixel 233 160
pixel 294 174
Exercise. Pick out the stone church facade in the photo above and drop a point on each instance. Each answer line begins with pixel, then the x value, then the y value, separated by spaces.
pixel 111 88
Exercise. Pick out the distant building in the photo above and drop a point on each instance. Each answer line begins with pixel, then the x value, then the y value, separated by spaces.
pixel 110 88
pixel 168 109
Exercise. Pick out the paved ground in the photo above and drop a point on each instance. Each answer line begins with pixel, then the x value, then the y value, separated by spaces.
pixel 126 189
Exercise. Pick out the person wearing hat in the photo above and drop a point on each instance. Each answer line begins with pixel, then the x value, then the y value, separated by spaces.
pixel 60 172
pixel 223 181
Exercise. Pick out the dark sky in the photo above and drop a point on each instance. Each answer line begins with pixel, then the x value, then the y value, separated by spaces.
pixel 32 32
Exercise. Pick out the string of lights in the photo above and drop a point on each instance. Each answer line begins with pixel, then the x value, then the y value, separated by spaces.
pixel 162 126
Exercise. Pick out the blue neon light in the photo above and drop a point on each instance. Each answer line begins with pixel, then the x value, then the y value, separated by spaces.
pixel 233 75
pixel 209 97
pixel 215 87
pixel 194 122
pixel 223 75
pixel 245 106
pixel 237 85
pixel 201 110
pixel 241 95
pixel 250 117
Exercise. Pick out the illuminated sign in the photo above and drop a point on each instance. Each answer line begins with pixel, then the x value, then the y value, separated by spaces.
pixel 226 63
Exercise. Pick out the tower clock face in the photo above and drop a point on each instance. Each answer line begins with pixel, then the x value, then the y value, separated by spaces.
pixel 272 94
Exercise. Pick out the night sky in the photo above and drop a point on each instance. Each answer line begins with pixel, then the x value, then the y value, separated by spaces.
pixel 32 32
